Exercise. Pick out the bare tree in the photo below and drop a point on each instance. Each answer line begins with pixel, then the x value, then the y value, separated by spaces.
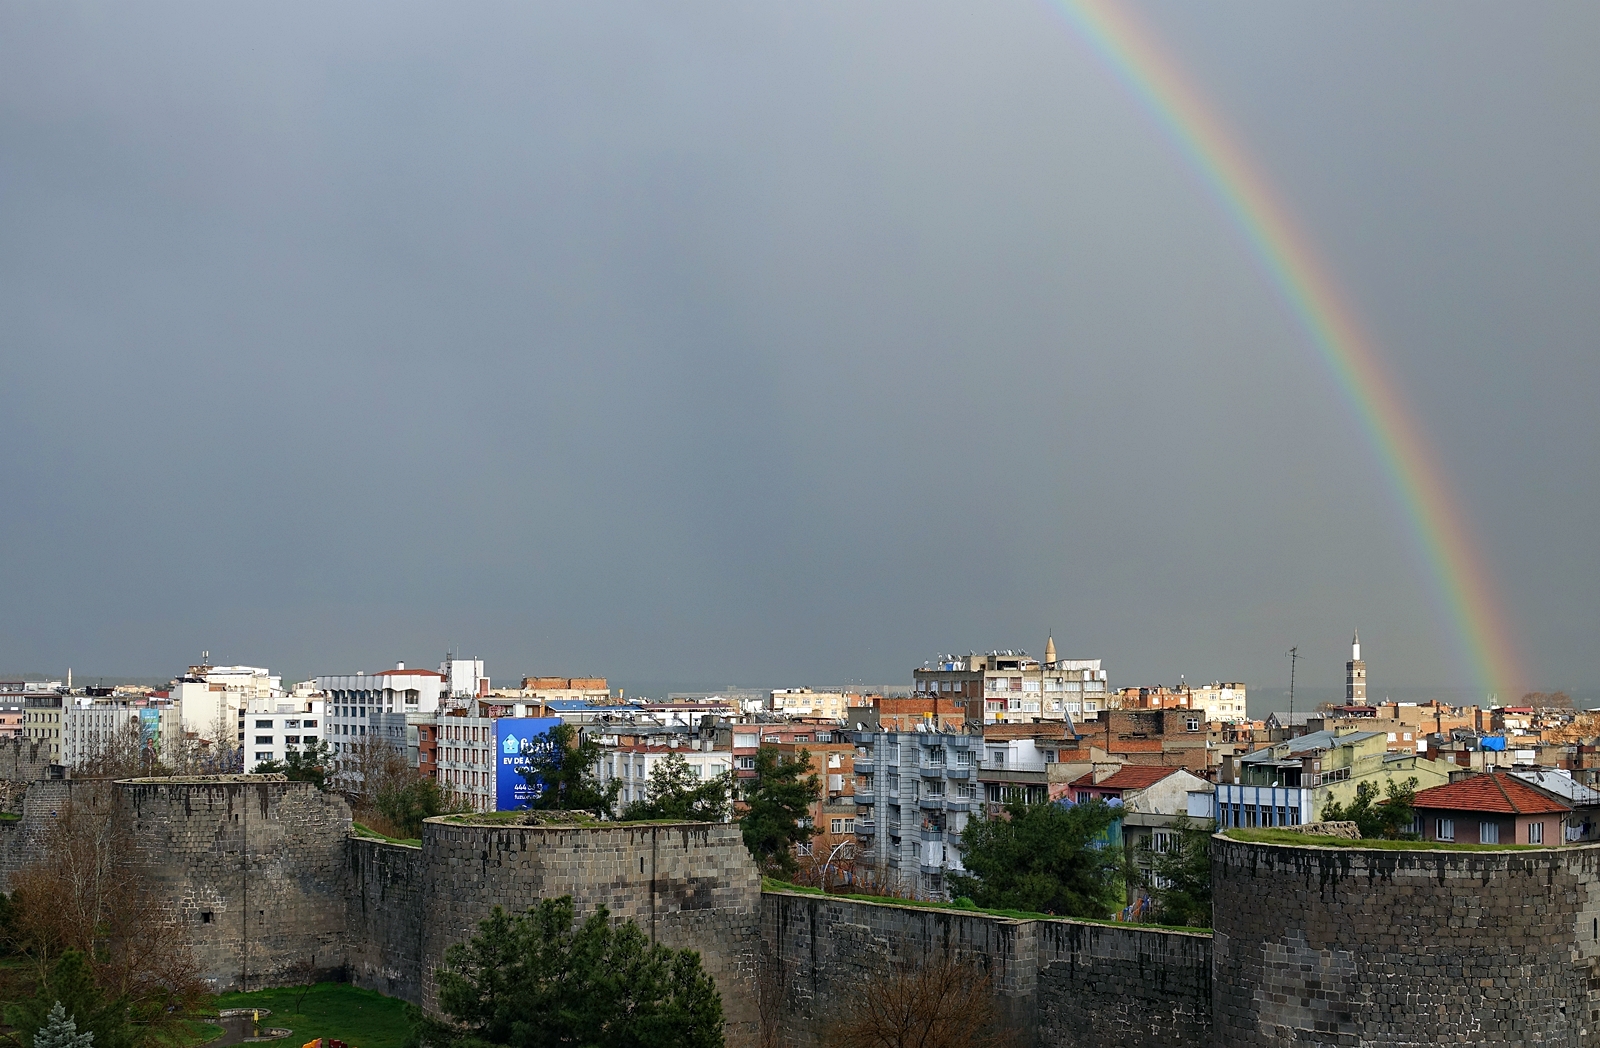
pixel 86 893
pixel 123 753
pixel 942 1002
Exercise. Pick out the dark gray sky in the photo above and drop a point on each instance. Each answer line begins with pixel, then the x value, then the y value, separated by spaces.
pixel 777 343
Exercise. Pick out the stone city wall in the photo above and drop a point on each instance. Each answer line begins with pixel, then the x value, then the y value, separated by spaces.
pixel 255 867
pixel 1349 946
pixel 1058 982
pixel 688 885
pixel 387 911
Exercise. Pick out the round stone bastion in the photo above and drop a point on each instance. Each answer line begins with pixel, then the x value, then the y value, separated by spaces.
pixel 1323 945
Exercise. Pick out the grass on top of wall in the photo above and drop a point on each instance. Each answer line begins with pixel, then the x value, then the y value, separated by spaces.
pixel 1274 835
pixel 362 831
pixel 360 1018
pixel 772 884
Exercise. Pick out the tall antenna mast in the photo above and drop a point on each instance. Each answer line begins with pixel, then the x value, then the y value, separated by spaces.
pixel 1294 657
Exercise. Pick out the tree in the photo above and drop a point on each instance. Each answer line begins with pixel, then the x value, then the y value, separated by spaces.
pixel 777 816
pixel 1391 817
pixel 98 931
pixel 676 791
pixel 68 990
pixel 405 803
pixel 1182 887
pixel 309 763
pixel 1045 858
pixel 59 1031
pixel 536 981
pixel 561 775
pixel 941 1002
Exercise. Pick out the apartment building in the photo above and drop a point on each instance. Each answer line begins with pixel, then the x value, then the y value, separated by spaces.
pixel 90 725
pixel 43 722
pixel 914 791
pixel 1217 701
pixel 1290 782
pixel 803 702
pixel 631 757
pixel 1005 687
pixel 271 726
pixel 466 756
pixel 352 699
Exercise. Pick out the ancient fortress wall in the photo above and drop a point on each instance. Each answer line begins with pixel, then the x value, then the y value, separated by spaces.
pixel 387 911
pixel 1061 982
pixel 1347 946
pixel 255 867
pixel 1313 945
pixel 688 885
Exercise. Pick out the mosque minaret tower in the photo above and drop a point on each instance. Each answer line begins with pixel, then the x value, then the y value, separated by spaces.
pixel 1355 675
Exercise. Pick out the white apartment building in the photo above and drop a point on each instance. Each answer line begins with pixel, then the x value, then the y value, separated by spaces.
pixel 209 698
pixel 466 759
pixel 803 702
pixel 352 697
pixel 631 759
pixel 89 725
pixel 1011 687
pixel 271 726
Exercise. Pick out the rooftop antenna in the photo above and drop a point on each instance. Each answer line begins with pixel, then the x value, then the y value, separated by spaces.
pixel 1294 657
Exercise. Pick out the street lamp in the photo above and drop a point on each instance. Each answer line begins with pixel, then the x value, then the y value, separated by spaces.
pixel 842 844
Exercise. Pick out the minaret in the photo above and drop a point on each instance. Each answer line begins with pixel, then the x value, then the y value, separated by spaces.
pixel 1050 650
pixel 1355 675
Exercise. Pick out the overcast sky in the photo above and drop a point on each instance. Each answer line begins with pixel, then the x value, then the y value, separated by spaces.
pixel 776 343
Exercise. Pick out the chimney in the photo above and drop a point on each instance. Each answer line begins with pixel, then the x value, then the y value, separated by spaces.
pixel 399 665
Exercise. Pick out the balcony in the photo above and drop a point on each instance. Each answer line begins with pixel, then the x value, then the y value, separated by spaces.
pixel 932 771
pixel 958 803
pixel 866 798
pixel 933 834
pixel 866 827
pixel 934 803
pixel 960 772
pixel 865 766
pixel 932 869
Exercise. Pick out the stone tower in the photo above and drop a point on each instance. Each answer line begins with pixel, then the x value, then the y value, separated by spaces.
pixel 1355 675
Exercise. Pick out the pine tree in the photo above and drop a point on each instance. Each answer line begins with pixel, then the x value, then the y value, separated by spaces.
pixel 60 1031
pixel 778 801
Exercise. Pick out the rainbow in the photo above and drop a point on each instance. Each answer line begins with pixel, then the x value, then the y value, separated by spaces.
pixel 1458 571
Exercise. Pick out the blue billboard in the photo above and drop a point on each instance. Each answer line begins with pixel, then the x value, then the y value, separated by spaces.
pixel 516 740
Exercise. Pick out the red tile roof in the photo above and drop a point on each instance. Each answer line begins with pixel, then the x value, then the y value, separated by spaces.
pixel 1127 777
pixel 1492 792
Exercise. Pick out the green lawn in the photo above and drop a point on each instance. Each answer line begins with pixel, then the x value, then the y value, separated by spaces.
pixel 191 1034
pixel 360 1018
pixel 362 831
pixel 772 884
pixel 1281 836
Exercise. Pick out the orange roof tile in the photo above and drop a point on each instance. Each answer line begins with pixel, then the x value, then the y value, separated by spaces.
pixel 1127 777
pixel 1491 792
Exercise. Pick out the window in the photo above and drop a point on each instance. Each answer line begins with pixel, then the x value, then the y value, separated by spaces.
pixel 1084 797
pixel 1489 832
pixel 969 790
pixel 963 758
pixel 291 724
pixel 1445 829
pixel 837 826
pixel 747 764
pixel 310 723
pixel 997 758
pixel 263 724
pixel 1535 833
pixel 263 756
pixel 1049 756
pixel 1192 724
pixel 263 740
pixel 292 740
